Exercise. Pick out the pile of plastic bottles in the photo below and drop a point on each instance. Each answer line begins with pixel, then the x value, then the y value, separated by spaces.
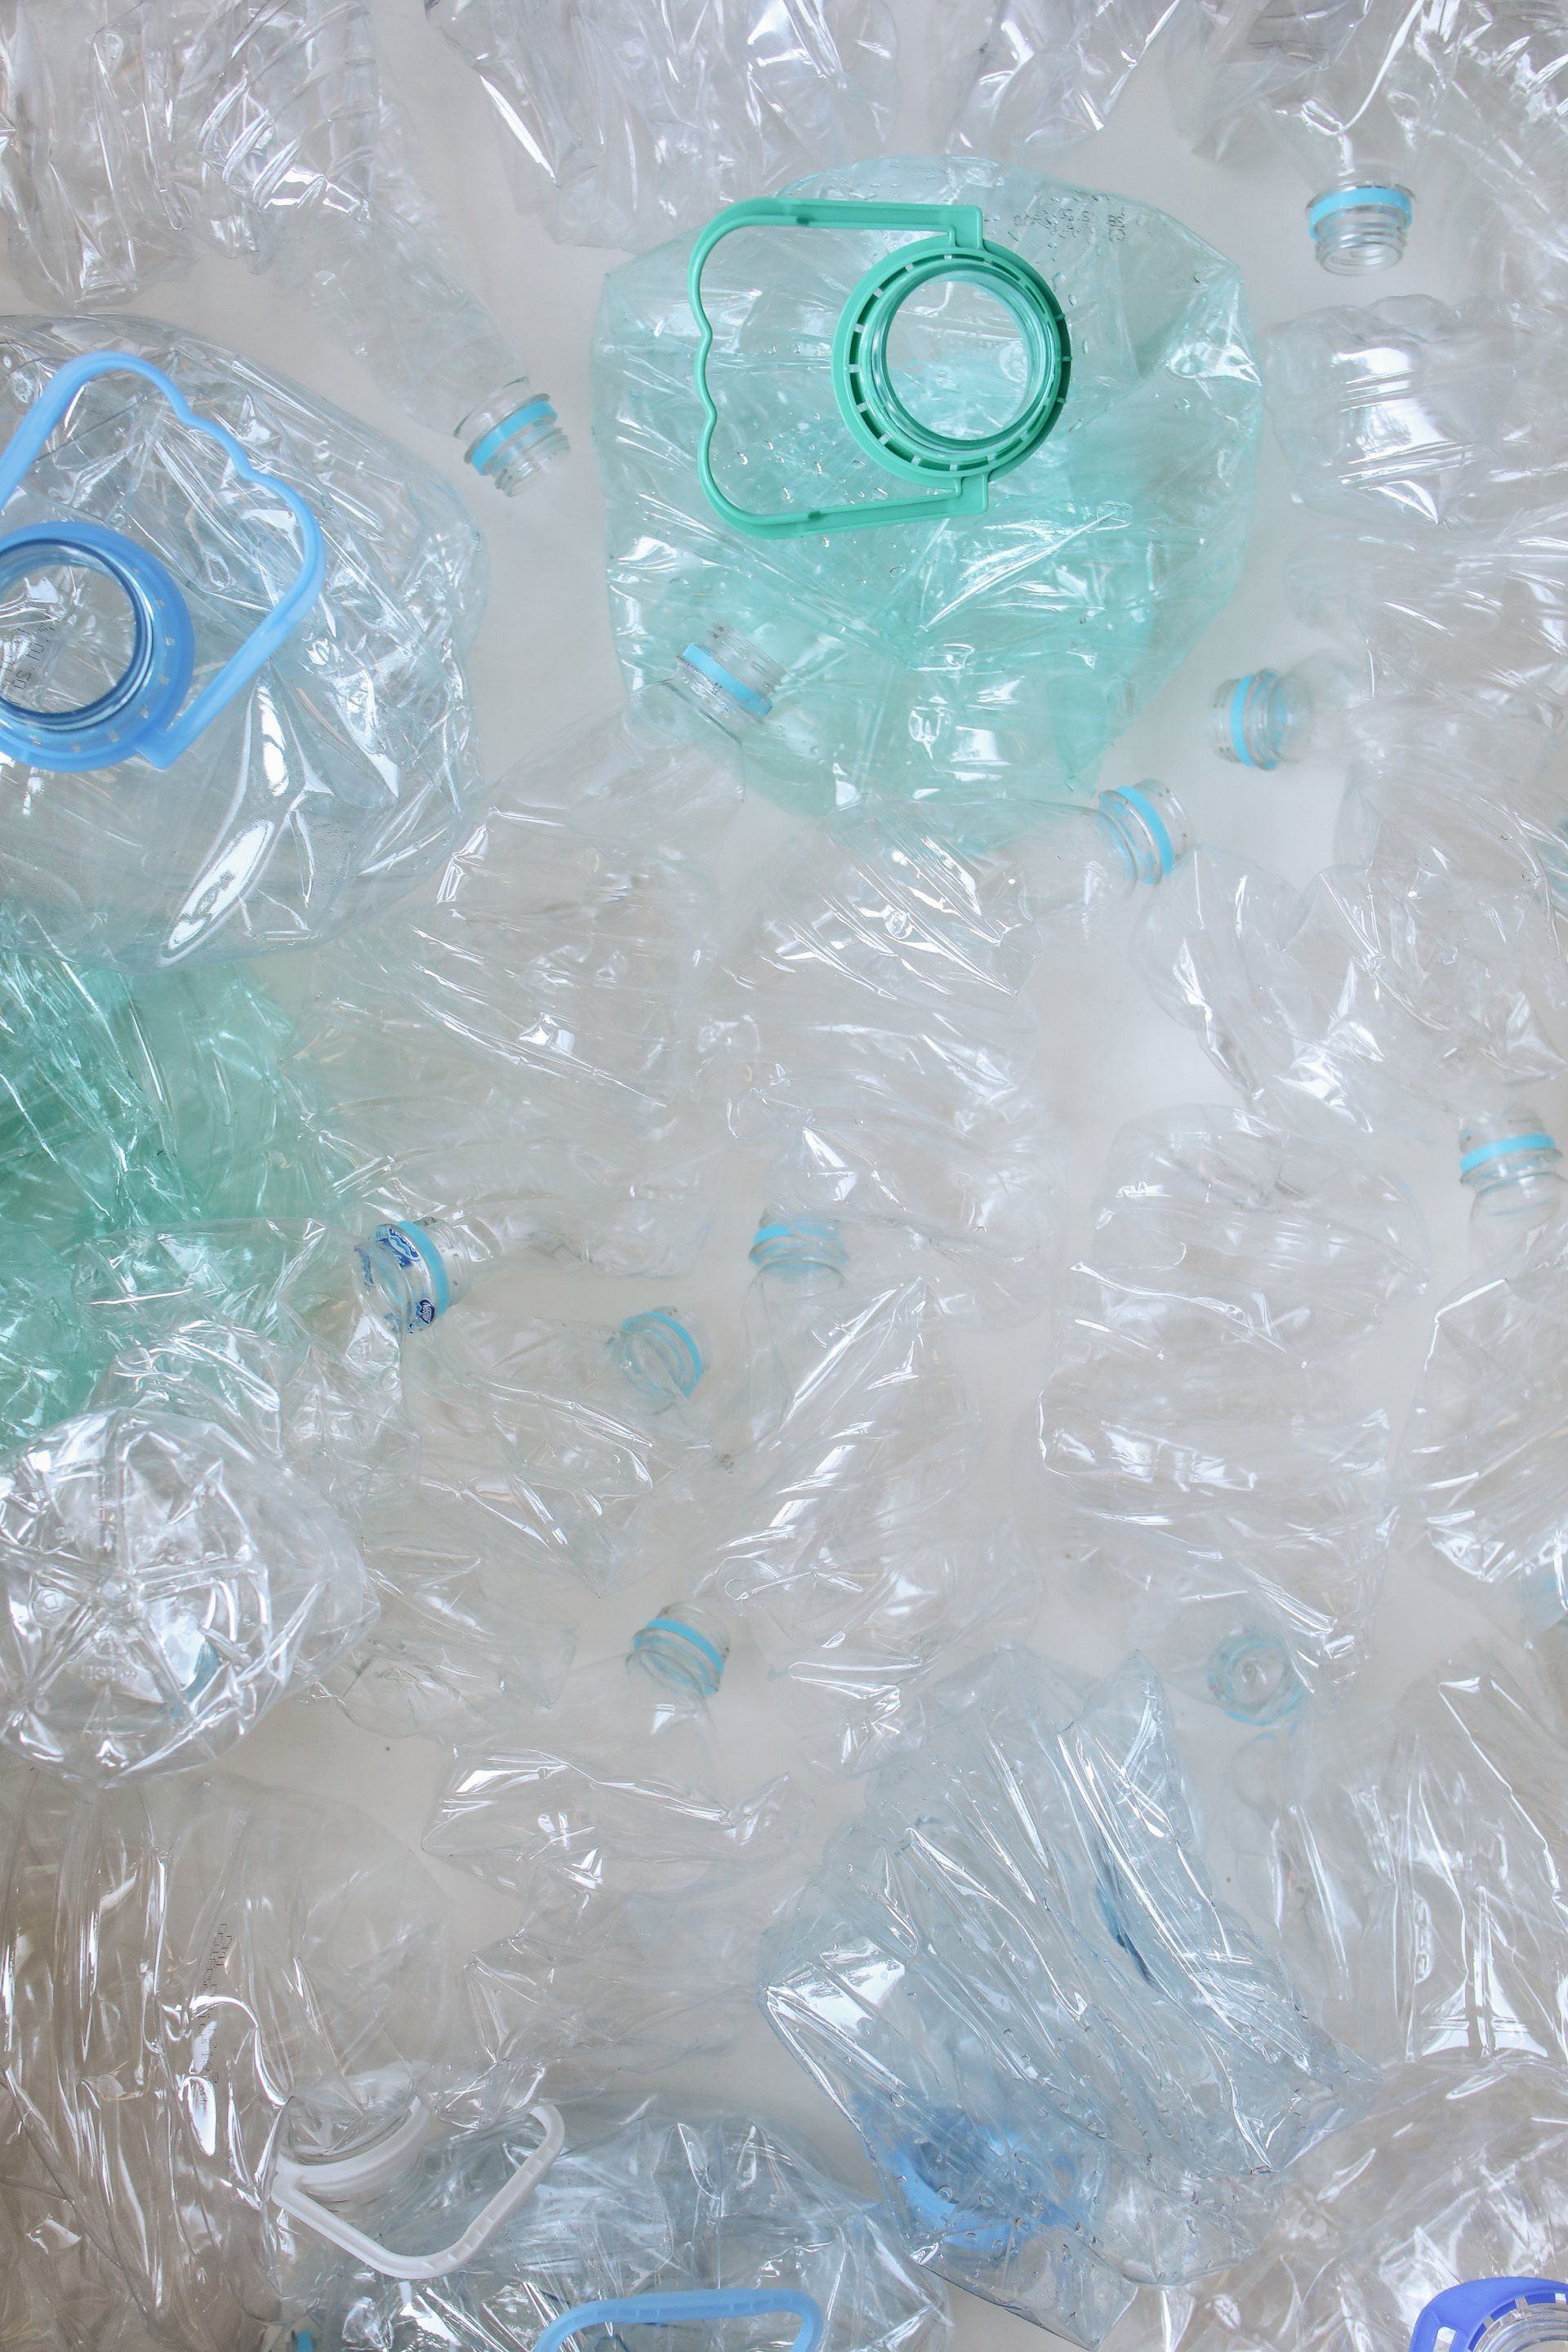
pixel 564 1296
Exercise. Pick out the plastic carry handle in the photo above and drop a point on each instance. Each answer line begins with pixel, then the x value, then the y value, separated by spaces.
pixel 704 2305
pixel 955 476
pixel 163 747
pixel 291 2197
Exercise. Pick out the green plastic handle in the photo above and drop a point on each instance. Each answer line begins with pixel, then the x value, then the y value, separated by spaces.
pixel 955 474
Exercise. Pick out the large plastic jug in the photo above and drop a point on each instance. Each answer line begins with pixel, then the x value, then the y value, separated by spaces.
pixel 966 455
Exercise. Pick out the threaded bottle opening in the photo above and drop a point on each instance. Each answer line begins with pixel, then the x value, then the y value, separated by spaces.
pixel 1358 230
pixel 683 1649
pixel 1247 719
pixel 662 1354
pixel 1504 1149
pixel 1253 1677
pixel 725 677
pixel 1150 825
pixel 798 1245
pixel 513 437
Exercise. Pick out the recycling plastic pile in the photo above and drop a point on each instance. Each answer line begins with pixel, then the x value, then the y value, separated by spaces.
pixel 531 1256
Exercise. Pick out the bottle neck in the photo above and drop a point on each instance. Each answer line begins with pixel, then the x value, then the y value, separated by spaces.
pixel 513 436
pixel 1146 828
pixel 798 1252
pixel 684 1650
pixel 1360 226
pixel 662 1353
pixel 1508 1164
pixel 722 680
pixel 412 1273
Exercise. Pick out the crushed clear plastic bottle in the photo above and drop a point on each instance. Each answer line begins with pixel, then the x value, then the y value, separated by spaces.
pixel 1478 1462
pixel 197 522
pixel 622 126
pixel 999 1970
pixel 1024 80
pixel 707 2226
pixel 916 662
pixel 1387 1846
pixel 1221 1486
pixel 840 1525
pixel 213 1949
pixel 883 1049
pixel 262 130
pixel 552 991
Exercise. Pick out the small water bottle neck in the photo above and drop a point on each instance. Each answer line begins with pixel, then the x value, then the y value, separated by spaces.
pixel 1361 227
pixel 725 682
pixel 684 1650
pixel 513 436
pixel 1508 1164
pixel 1146 828
pixel 662 1353
pixel 798 1252
pixel 415 1271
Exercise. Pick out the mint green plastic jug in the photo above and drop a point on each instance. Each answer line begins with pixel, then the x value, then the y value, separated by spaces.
pixel 962 458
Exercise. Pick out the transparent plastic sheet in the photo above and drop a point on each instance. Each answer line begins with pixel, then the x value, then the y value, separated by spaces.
pixel 565 1441
pixel 1027 78
pixel 1454 2175
pixel 1397 993
pixel 57 2294
pixel 998 1969
pixel 647 2199
pixel 622 125
pixel 1479 1462
pixel 1350 90
pixel 994 656
pixel 843 1518
pixel 1502 124
pixel 552 991
pixel 163 1585
pixel 882 1049
pixel 1410 1863
pixel 1410 411
pixel 180 1962
pixel 138 138
pixel 1222 1489
pixel 338 776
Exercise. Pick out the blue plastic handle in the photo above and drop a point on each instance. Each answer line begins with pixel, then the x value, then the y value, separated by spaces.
pixel 162 742
pixel 1465 2311
pixel 701 2303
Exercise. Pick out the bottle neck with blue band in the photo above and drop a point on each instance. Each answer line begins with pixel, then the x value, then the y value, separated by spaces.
pixel 1359 228
pixel 685 1649
pixel 513 437
pixel 147 712
pixel 1508 1164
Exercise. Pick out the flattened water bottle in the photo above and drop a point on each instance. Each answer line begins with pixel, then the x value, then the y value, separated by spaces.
pixel 233 711
pixel 966 455
pixel 261 129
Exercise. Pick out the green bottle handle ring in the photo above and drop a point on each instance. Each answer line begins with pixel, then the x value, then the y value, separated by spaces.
pixel 955 474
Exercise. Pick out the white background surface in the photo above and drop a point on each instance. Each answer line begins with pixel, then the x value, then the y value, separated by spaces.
pixel 543 658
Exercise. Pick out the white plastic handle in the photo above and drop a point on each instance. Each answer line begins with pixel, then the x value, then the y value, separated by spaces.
pixel 291 2197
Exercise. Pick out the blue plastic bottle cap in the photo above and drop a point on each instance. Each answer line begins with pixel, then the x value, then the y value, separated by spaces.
pixel 1457 2319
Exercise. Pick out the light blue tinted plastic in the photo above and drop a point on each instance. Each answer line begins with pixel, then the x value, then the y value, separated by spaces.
pixel 1538 1142
pixel 703 2306
pixel 164 737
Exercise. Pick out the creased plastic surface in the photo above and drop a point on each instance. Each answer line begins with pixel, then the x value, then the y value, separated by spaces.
pixel 181 1961
pixel 844 1523
pixel 1400 992
pixel 340 776
pixel 994 656
pixel 1451 2177
pixel 649 2198
pixel 163 1585
pixel 1022 79
pixel 999 1971
pixel 622 124
pixel 1410 1861
pixel 1217 1477
pixel 139 138
pixel 1480 1459
pixel 883 1049
pixel 550 992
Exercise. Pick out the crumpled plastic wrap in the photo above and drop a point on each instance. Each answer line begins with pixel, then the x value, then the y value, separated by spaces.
pixel 1411 1861
pixel 162 1585
pixel 1454 2175
pixel 338 775
pixel 1074 2069
pixel 180 1961
pixel 1224 1490
pixel 1022 79
pixel 1400 993
pixel 844 1518
pixel 651 2198
pixel 937 660
pixel 622 124
pixel 136 139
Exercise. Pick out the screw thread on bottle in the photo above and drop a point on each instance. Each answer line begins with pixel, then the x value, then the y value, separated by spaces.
pixel 725 677
pixel 1150 828
pixel 513 437
pixel 663 1353
pixel 1501 1149
pixel 810 1247
pixel 684 1648
pixel 1358 230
